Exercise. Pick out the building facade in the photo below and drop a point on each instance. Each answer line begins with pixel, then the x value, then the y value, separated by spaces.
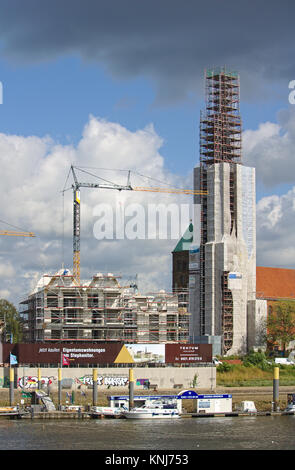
pixel 101 310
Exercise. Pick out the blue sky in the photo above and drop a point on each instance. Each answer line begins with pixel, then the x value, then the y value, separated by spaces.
pixel 56 97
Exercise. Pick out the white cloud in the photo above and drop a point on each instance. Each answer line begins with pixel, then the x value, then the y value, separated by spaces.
pixel 34 172
pixel 275 230
pixel 6 270
pixel 270 149
pixel 5 293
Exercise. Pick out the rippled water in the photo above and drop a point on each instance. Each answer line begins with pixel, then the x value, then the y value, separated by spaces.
pixel 228 433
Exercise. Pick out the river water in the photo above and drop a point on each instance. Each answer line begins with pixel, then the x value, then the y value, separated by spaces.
pixel 216 433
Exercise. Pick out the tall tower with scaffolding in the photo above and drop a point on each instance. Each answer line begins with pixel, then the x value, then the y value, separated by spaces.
pixel 223 278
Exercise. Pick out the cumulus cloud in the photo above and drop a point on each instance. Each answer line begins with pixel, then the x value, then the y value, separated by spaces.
pixel 6 270
pixel 275 230
pixel 35 171
pixel 270 149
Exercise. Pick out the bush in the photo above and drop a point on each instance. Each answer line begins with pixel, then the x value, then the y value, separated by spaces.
pixel 256 359
pixel 225 367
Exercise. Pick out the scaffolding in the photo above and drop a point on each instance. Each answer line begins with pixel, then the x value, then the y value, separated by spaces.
pixel 227 314
pixel 102 310
pixel 220 123
pixel 220 141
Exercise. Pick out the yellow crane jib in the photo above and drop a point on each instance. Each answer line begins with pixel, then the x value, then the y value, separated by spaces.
pixel 169 190
pixel 17 234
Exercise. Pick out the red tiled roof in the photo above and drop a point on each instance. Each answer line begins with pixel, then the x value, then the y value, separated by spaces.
pixel 275 283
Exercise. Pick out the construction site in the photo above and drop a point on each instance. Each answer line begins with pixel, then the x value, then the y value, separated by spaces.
pixel 102 310
pixel 213 298
pixel 62 307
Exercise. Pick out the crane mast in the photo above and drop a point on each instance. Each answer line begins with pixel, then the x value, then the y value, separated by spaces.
pixel 77 215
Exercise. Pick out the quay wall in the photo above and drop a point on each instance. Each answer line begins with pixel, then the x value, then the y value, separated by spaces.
pixel 73 378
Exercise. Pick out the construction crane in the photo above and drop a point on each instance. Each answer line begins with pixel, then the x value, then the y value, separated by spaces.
pixel 106 185
pixel 11 233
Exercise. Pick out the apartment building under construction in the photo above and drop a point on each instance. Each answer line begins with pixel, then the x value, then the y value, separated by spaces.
pixel 102 310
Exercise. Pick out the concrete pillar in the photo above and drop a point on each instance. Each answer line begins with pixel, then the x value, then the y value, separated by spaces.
pixel 131 389
pixel 94 399
pixel 11 386
pixel 276 381
pixel 39 379
pixel 59 387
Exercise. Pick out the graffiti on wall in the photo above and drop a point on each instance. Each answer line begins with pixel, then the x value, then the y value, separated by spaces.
pixel 143 382
pixel 111 381
pixel 31 381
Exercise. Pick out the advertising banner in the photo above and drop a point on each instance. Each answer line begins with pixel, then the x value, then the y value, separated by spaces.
pixel 188 353
pixel 71 354
pixel 147 352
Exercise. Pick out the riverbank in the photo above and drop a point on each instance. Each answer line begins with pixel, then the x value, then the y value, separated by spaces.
pixel 262 396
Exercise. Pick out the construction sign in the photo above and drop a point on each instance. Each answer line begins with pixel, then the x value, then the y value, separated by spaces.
pixel 71 354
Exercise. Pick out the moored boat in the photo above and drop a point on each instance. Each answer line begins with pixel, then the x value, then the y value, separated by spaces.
pixel 8 409
pixel 291 403
pixel 152 410
pixel 105 411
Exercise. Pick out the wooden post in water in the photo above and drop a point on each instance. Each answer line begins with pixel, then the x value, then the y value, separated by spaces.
pixel 276 388
pixel 11 386
pixel 131 389
pixel 59 388
pixel 94 397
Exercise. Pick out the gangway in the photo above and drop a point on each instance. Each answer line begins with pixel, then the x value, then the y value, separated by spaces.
pixel 38 396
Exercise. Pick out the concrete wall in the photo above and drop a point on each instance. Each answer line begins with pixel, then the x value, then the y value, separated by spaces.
pixel 201 378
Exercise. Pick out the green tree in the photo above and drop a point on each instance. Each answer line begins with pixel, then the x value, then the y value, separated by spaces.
pixel 10 322
pixel 281 324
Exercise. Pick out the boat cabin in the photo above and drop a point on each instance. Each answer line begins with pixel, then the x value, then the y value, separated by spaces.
pixel 291 399
pixel 210 403
pixel 122 402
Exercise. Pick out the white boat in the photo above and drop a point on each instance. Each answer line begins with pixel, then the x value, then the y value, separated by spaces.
pixel 152 410
pixel 8 409
pixel 247 407
pixel 290 407
pixel 105 411
pixel 291 402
